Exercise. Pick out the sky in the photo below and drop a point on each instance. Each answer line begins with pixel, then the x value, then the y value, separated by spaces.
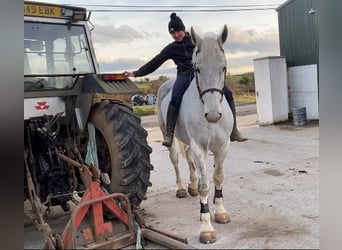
pixel 125 40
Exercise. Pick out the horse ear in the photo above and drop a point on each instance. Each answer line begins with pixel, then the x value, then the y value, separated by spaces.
pixel 195 38
pixel 223 37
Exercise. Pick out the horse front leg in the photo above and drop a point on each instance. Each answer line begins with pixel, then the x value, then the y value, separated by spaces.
pixel 207 232
pixel 221 215
pixel 181 191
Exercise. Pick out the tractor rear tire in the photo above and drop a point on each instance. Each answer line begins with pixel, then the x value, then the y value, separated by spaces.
pixel 126 155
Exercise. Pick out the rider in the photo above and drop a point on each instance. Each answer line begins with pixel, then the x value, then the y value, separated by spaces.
pixel 180 51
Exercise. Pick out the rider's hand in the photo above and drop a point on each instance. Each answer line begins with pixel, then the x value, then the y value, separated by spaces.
pixel 129 74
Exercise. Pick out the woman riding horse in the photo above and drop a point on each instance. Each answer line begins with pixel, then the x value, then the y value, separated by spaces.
pixel 180 51
pixel 204 124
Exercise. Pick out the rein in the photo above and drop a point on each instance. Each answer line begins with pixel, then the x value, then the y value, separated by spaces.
pixel 211 90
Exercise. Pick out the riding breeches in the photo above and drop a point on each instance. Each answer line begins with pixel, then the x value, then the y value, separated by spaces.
pixel 179 87
pixel 228 94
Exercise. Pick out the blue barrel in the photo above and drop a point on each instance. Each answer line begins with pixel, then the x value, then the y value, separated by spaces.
pixel 299 116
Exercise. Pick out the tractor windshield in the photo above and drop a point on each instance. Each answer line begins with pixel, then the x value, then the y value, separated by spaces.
pixel 55 55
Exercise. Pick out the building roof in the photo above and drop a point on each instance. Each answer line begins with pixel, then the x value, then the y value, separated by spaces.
pixel 284 4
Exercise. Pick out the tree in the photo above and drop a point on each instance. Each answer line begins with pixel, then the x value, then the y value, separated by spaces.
pixel 162 78
pixel 244 80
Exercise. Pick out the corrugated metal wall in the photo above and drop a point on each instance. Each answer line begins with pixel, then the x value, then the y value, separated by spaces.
pixel 298 32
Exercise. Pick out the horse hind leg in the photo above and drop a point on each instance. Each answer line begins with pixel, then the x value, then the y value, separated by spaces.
pixel 181 191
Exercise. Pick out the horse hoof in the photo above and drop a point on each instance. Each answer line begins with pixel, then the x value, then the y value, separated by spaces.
pixel 193 192
pixel 207 237
pixel 222 218
pixel 181 193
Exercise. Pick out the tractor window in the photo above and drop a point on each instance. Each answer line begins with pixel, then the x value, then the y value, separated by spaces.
pixel 56 53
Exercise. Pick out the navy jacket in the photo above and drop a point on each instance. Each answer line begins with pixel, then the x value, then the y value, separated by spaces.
pixel 179 52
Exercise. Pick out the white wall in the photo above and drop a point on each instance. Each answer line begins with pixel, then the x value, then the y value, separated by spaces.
pixel 271 90
pixel 263 91
pixel 303 89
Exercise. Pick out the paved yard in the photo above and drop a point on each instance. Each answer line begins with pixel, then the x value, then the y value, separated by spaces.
pixel 270 190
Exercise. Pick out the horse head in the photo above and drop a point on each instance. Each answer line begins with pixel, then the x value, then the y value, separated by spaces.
pixel 210 70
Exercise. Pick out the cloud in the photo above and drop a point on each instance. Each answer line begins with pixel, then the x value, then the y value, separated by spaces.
pixel 109 33
pixel 130 64
pixel 252 40
pixel 120 64
pixel 126 40
pixel 123 31
pixel 133 47
pixel 241 42
pixel 243 46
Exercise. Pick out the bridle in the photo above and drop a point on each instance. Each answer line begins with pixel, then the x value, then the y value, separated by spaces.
pixel 211 90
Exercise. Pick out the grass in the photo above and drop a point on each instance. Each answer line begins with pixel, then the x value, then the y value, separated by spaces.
pixel 245 99
pixel 145 110
pixel 144 86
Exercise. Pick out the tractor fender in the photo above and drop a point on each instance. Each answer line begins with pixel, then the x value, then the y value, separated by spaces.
pixel 94 84
pixel 84 104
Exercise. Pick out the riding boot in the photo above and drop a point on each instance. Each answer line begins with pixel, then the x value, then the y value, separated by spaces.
pixel 171 119
pixel 235 135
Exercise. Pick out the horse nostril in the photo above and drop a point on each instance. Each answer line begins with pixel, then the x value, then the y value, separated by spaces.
pixel 220 116
pixel 206 115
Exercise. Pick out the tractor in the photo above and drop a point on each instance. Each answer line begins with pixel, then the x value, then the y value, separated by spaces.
pixel 71 109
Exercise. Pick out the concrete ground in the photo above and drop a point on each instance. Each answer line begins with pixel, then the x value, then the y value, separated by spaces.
pixel 270 189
